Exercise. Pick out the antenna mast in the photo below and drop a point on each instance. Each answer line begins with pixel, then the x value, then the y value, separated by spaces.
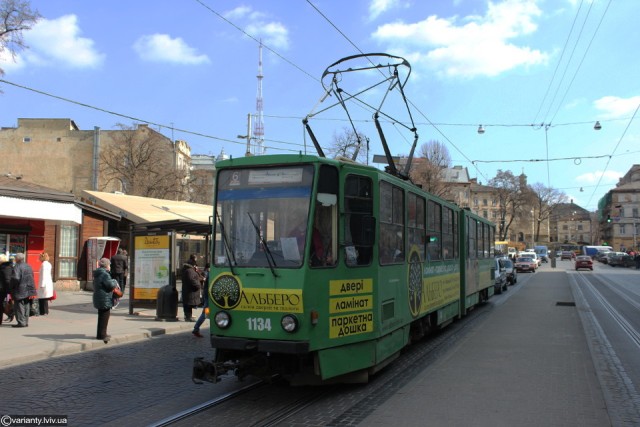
pixel 258 124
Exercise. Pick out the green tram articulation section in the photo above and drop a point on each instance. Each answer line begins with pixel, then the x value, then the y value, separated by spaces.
pixel 377 263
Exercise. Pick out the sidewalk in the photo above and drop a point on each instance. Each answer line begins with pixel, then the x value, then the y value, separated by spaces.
pixel 71 326
pixel 527 363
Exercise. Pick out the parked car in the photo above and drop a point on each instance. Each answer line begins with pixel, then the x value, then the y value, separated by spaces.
pixel 584 261
pixel 525 264
pixel 500 277
pixel 566 255
pixel 607 258
pixel 510 270
pixel 621 259
pixel 601 255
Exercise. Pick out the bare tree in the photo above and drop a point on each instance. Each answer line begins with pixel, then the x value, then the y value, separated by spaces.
pixel 510 197
pixel 427 171
pixel 349 143
pixel 544 200
pixel 142 162
pixel 16 16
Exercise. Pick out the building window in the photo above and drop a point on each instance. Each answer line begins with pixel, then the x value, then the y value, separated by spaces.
pixel 485 213
pixel 494 202
pixel 565 227
pixel 622 231
pixel 579 226
pixel 26 139
pixel 484 202
pixel 475 201
pixel 68 253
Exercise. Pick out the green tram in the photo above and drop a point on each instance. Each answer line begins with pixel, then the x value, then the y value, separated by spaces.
pixel 323 270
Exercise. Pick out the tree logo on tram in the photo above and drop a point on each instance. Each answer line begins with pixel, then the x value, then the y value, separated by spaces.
pixel 225 291
pixel 415 282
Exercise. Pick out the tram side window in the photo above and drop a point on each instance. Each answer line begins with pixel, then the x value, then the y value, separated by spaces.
pixel 358 220
pixel 434 230
pixel 415 206
pixel 391 246
pixel 492 239
pixel 473 246
pixel 480 239
pixel 447 233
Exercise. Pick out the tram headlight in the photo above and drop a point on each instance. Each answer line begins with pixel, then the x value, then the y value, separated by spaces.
pixel 222 319
pixel 289 323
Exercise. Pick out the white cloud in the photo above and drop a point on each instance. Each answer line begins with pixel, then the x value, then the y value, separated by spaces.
pixel 162 48
pixel 56 42
pixel 274 34
pixel 614 107
pixel 377 7
pixel 594 177
pixel 472 46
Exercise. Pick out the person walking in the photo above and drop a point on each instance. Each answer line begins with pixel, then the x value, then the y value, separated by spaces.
pixel 191 286
pixel 23 289
pixel 6 268
pixel 103 289
pixel 45 288
pixel 205 304
pixel 119 268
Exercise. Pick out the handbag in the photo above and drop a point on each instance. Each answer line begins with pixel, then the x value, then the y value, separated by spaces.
pixel 8 307
pixel 117 291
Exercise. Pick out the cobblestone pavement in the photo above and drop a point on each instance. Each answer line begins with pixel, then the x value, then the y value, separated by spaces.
pixel 132 384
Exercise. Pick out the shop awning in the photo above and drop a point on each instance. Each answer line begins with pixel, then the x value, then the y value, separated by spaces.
pixel 39 209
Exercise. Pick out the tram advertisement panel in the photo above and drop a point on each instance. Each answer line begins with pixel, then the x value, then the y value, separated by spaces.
pixel 350 307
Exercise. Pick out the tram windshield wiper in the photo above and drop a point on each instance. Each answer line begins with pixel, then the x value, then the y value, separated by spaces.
pixel 267 252
pixel 227 249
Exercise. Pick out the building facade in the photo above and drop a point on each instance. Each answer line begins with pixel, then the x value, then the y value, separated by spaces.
pixel 56 153
pixel 619 212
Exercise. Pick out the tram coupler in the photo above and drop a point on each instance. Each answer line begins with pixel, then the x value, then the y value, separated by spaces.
pixel 204 371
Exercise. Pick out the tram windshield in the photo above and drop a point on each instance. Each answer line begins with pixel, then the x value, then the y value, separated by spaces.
pixel 262 216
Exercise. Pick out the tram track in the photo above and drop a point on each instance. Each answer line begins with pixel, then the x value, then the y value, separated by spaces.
pixel 621 396
pixel 615 314
pixel 205 406
pixel 270 404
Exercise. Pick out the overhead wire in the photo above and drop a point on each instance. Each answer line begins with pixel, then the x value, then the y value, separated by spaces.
pixel 133 118
pixel 613 152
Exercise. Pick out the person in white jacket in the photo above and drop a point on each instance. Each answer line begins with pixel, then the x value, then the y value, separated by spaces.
pixel 45 290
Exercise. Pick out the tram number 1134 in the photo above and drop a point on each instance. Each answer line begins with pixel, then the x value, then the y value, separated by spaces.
pixel 258 324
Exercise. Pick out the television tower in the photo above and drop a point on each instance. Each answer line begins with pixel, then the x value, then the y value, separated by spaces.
pixel 258 124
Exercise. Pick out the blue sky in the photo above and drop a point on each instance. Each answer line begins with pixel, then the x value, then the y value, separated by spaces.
pixel 536 74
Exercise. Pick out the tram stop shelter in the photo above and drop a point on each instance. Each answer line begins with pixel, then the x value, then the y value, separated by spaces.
pixel 159 235
pixel 157 253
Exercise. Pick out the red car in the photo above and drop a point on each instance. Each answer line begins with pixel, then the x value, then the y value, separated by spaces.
pixel 526 264
pixel 584 261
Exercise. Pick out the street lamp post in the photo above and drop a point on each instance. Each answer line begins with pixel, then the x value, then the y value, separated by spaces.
pixel 533 228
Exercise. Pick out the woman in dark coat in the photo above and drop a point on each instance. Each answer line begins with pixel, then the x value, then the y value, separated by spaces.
pixel 191 287
pixel 103 286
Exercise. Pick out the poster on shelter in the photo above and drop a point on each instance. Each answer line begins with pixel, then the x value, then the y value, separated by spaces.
pixel 152 265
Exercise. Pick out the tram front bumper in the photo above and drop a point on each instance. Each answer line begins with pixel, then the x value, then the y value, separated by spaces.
pixel 260 346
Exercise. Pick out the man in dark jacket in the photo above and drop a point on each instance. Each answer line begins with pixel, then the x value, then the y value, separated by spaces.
pixel 23 288
pixel 103 286
pixel 119 268
pixel 191 286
